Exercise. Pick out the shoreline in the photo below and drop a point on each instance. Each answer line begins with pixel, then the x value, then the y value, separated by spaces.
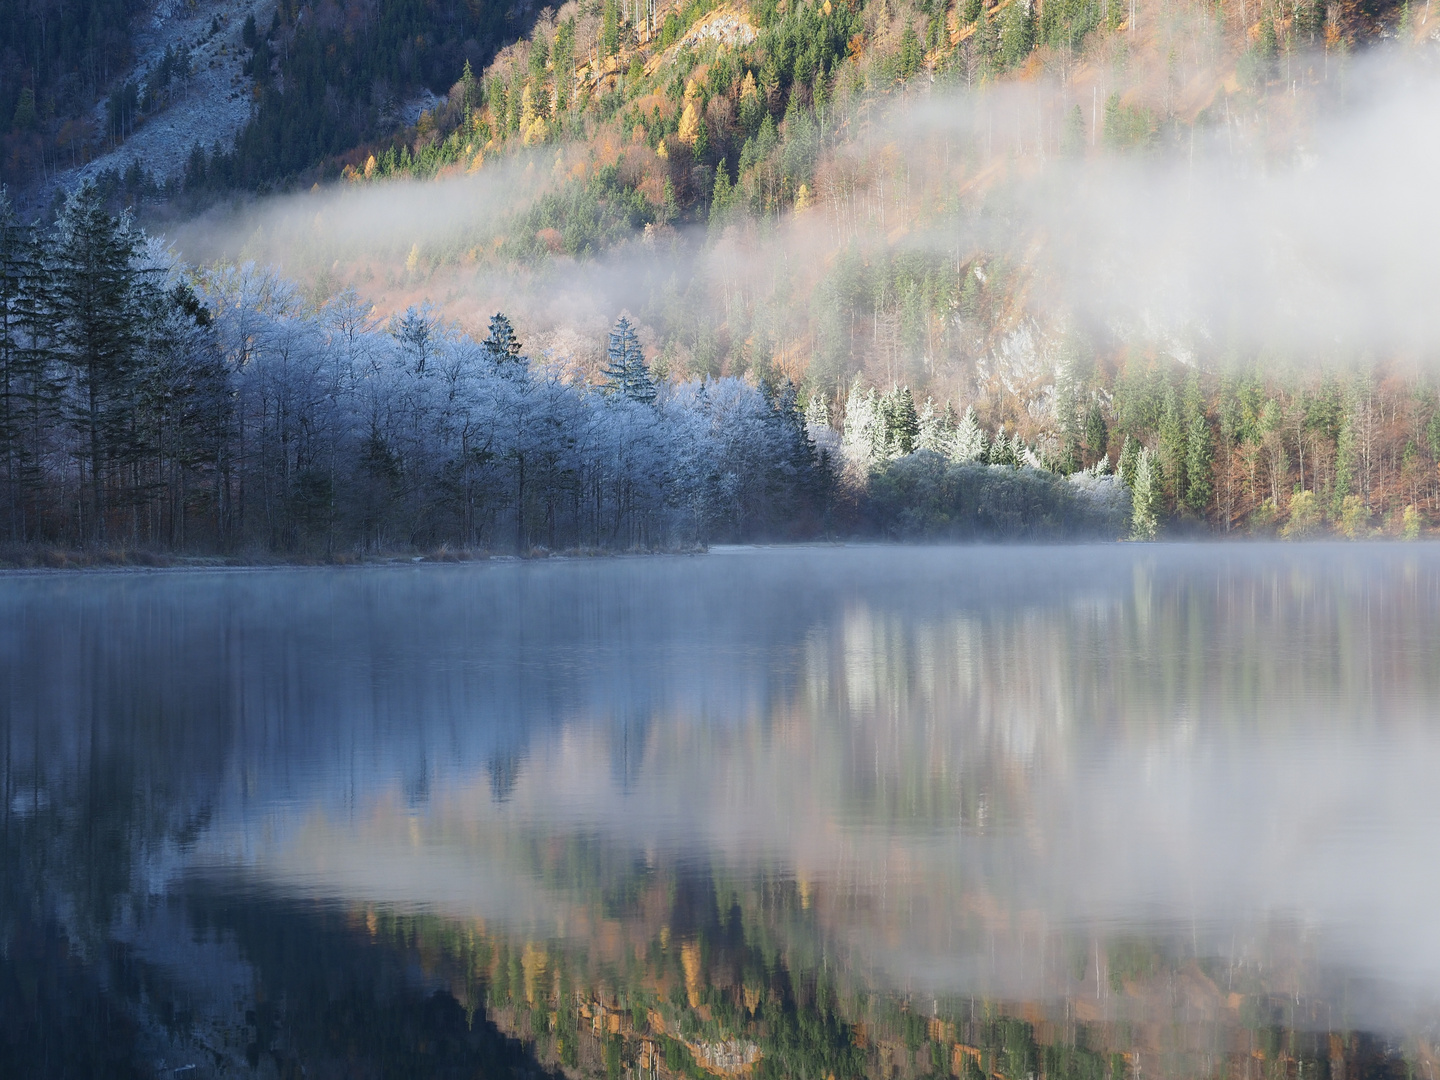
pixel 81 561
pixel 66 561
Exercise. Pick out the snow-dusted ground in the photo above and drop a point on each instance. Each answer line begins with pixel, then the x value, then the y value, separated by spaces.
pixel 211 106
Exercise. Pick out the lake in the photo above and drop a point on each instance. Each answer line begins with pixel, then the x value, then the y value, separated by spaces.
pixel 1104 812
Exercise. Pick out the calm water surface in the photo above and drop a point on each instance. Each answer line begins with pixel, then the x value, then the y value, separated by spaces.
pixel 1101 812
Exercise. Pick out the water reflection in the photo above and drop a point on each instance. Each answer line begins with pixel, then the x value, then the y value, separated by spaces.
pixel 1062 812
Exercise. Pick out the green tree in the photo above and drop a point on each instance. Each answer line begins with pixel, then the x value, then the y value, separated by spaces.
pixel 1145 495
pixel 1173 446
pixel 1199 456
pixel 1304 516
pixel 1017 34
pixel 97 298
pixel 902 422
pixel 626 372
pixel 1129 461
pixel 912 53
pixel 1097 435
pixel 610 28
pixel 501 347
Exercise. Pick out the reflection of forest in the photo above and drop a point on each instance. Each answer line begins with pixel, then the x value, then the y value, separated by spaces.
pixel 732 982
pixel 946 814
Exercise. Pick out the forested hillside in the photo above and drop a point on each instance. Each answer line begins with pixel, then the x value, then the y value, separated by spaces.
pixel 918 270
pixel 146 405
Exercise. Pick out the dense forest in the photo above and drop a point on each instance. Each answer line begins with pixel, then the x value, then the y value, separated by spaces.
pixel 737 138
pixel 878 337
pixel 56 58
pixel 146 404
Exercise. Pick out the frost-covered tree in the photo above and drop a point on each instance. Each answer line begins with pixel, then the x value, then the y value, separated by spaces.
pixel 414 332
pixel 501 347
pixel 969 443
pixel 863 439
pixel 937 429
pixel 1145 495
pixel 901 422
pixel 626 372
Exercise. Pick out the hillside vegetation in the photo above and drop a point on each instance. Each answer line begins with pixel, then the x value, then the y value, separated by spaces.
pixel 876 250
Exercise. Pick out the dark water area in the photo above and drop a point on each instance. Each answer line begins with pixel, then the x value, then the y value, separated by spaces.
pixel 1092 812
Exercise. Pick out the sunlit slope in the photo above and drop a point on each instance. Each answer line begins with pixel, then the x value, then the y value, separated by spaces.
pixel 886 163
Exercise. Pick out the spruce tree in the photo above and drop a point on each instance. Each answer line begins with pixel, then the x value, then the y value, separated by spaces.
pixel 969 441
pixel 1017 34
pixel 501 347
pixel 1129 460
pixel 626 372
pixel 1199 454
pixel 1097 435
pixel 16 273
pixel 1172 447
pixel 902 423
pixel 1145 498
pixel 96 301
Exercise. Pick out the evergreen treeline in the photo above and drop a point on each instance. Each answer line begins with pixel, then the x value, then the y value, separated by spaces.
pixel 144 404
pixel 56 58
pixel 137 407
pixel 327 85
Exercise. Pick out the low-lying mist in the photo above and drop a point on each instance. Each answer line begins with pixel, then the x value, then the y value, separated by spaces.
pixel 1297 229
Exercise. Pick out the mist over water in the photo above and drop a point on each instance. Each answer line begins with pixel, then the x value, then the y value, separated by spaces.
pixel 983 771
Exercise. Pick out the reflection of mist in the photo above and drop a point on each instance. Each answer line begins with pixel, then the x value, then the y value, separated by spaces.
pixel 973 757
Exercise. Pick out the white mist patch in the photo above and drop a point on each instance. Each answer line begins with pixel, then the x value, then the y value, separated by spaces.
pixel 1313 240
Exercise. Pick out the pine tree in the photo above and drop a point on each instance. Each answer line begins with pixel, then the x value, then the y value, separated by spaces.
pixel 96 294
pixel 1097 435
pixel 969 441
pixel 501 347
pixel 1017 34
pixel 1172 447
pixel 902 423
pixel 1145 498
pixel 817 412
pixel 936 430
pixel 469 91
pixel 15 275
pixel 721 198
pixel 1129 460
pixel 1199 454
pixel 626 372
pixel 1005 450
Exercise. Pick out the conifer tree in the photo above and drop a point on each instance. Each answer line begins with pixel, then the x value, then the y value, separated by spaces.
pixel 96 302
pixel 1172 447
pixel 817 411
pixel 1017 33
pixel 16 274
pixel 1097 435
pixel 626 372
pixel 501 347
pixel 902 423
pixel 1145 498
pixel 969 442
pixel 1129 459
pixel 1199 454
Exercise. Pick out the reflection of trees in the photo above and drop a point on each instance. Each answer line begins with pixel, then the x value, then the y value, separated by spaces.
pixel 723 970
pixel 764 824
